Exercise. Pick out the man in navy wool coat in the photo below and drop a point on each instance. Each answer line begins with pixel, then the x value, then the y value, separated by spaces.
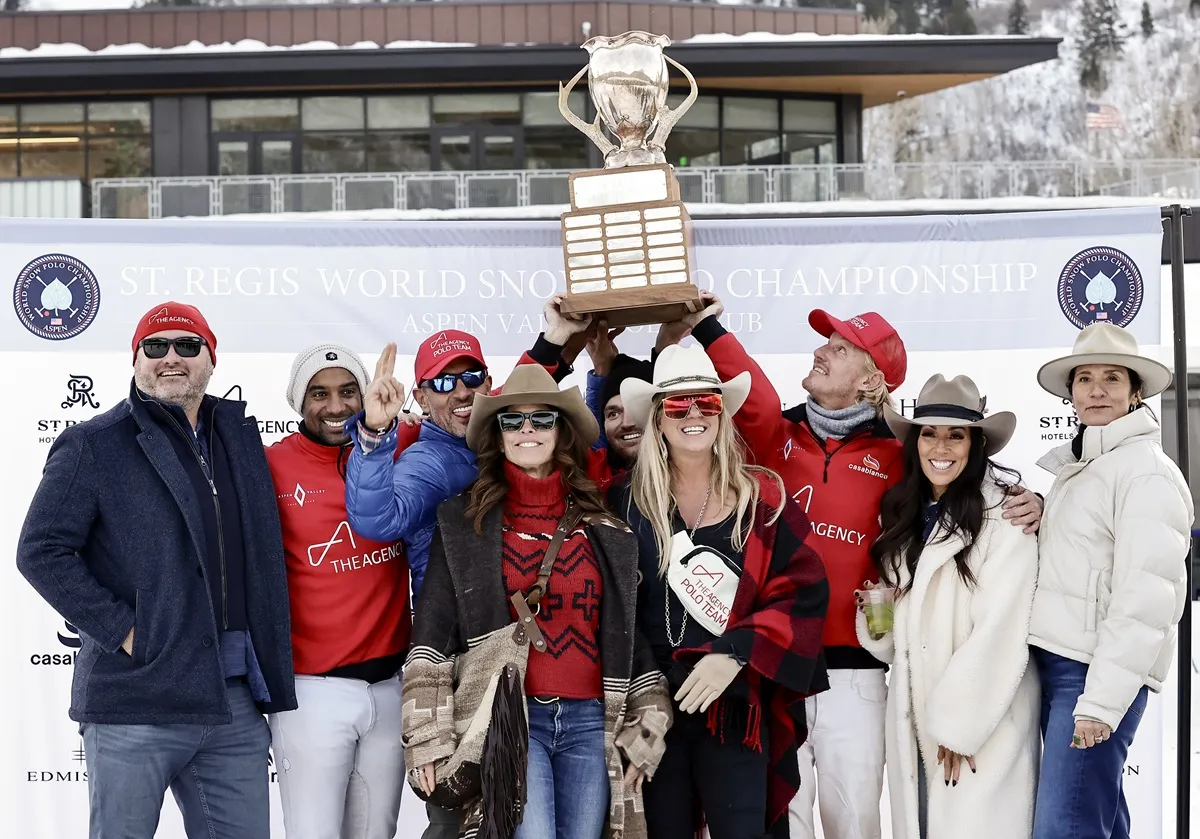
pixel 155 532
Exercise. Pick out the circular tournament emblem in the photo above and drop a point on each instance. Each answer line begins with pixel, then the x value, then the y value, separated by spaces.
pixel 1100 285
pixel 56 297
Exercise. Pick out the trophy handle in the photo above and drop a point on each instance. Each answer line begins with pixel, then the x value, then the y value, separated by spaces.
pixel 593 131
pixel 667 121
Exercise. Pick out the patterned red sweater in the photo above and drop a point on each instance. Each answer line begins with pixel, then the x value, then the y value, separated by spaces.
pixel 570 613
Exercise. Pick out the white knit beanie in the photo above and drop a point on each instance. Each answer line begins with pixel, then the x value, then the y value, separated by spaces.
pixel 313 360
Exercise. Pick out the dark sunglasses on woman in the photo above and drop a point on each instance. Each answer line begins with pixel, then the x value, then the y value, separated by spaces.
pixel 515 420
pixel 678 407
pixel 446 382
pixel 159 347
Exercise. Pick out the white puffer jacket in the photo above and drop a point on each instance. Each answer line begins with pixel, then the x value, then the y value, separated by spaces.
pixel 1112 550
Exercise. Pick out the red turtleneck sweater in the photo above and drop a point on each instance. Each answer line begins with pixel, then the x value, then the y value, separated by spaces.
pixel 349 595
pixel 570 613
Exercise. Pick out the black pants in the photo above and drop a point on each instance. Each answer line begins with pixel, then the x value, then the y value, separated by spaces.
pixel 727 780
pixel 443 824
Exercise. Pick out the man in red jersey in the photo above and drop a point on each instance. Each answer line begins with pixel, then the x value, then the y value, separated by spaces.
pixel 340 765
pixel 837 457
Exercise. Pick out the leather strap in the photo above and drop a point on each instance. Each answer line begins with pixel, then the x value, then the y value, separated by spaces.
pixel 527 627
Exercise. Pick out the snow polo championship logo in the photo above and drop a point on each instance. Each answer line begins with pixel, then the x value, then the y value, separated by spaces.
pixel 1100 285
pixel 56 297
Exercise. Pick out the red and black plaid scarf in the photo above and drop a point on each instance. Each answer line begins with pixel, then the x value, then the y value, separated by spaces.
pixel 776 624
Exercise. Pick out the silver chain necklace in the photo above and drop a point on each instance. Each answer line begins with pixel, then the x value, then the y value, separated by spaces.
pixel 675 642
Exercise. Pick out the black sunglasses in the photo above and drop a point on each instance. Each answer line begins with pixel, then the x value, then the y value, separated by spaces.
pixel 515 420
pixel 446 382
pixel 159 347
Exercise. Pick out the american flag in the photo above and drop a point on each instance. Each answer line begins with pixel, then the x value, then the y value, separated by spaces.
pixel 1103 116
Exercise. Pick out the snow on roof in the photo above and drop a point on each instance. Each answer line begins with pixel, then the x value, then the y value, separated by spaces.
pixel 245 45
pixel 250 45
pixel 798 209
pixel 74 5
pixel 864 37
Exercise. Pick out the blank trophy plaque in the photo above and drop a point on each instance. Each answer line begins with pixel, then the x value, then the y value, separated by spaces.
pixel 627 240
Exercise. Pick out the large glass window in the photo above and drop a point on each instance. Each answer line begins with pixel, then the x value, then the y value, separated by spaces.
pixel 75 139
pixel 696 138
pixel 333 152
pixel 398 151
pixel 485 108
pixel 398 134
pixel 407 132
pixel 809 131
pixel 550 141
pixel 118 118
pixel 255 115
pixel 407 112
pixel 751 131
pixel 333 113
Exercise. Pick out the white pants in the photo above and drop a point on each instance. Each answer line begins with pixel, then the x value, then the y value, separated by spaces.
pixel 339 759
pixel 845 746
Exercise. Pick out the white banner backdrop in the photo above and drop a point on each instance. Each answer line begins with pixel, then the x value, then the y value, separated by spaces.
pixel 993 296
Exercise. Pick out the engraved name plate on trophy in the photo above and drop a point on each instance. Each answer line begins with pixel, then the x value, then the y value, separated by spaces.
pixel 627 239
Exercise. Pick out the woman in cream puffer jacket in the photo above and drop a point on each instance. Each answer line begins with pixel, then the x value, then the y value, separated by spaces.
pixel 1112 552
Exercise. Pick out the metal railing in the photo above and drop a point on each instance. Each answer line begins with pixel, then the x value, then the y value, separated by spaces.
pixel 226 195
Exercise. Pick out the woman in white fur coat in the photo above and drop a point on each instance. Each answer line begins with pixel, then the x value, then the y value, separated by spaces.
pixel 962 738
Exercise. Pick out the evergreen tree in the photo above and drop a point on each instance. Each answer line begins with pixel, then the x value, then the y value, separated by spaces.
pixel 949 17
pixel 907 17
pixel 1018 18
pixel 1101 38
pixel 1111 28
pixel 878 9
pixel 12 5
pixel 1147 20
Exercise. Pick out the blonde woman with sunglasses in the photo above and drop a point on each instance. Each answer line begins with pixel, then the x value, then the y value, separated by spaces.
pixel 732 599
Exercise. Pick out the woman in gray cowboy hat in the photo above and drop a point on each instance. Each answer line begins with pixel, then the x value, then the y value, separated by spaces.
pixel 1111 580
pixel 962 709
pixel 530 546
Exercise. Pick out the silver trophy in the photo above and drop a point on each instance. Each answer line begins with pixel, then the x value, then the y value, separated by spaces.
pixel 627 238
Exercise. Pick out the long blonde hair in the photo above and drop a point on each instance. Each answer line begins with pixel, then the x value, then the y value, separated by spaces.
pixel 730 475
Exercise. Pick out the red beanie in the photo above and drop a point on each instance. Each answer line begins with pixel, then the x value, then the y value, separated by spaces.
pixel 178 316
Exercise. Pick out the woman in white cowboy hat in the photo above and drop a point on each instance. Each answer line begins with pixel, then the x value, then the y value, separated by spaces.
pixel 732 600
pixel 531 545
pixel 1111 580
pixel 962 708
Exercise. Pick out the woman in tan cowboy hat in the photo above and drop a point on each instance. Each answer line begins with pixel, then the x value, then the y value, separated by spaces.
pixel 962 738
pixel 1111 580
pixel 732 600
pixel 530 546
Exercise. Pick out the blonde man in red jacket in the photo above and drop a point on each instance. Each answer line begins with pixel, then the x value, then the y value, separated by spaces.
pixel 340 765
pixel 837 457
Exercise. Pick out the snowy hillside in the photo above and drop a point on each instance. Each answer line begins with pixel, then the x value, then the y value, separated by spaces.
pixel 1039 112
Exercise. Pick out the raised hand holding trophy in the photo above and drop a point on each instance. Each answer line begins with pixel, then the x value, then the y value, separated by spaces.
pixel 627 239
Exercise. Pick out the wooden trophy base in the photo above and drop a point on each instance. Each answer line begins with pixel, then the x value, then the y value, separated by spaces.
pixel 637 307
pixel 627 244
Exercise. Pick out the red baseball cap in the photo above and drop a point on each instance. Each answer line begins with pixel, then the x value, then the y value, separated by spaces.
pixel 869 332
pixel 442 348
pixel 178 316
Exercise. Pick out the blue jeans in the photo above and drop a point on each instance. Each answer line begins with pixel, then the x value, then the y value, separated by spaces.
pixel 217 773
pixel 567 779
pixel 1080 793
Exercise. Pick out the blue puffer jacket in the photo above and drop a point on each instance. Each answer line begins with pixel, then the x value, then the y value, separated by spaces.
pixel 391 498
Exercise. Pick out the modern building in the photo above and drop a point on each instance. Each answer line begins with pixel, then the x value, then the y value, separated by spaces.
pixel 418 87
